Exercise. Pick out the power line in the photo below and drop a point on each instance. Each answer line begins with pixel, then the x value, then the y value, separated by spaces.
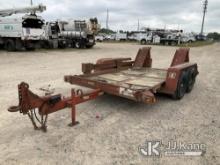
pixel 205 4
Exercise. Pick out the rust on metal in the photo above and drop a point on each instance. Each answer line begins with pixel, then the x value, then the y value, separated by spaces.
pixel 181 56
pixel 106 64
pixel 29 103
pixel 143 58
pixel 135 80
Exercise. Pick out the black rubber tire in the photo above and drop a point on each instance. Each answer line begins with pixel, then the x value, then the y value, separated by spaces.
pixel 30 48
pixel 10 46
pixel 46 45
pixel 62 45
pixel 191 80
pixel 181 87
pixel 89 46
pixel 19 45
pixel 78 45
pixel 143 42
pixel 173 43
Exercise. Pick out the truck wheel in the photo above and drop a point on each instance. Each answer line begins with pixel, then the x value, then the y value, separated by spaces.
pixel 78 45
pixel 45 45
pixel 30 48
pixel 181 87
pixel 62 46
pixel 89 46
pixel 10 46
pixel 173 43
pixel 191 80
pixel 143 42
pixel 19 45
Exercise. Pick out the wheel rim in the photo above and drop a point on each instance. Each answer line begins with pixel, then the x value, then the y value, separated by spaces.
pixel 143 42
pixel 77 45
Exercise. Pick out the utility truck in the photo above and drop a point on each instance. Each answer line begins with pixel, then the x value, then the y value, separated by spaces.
pixel 121 36
pixel 22 32
pixel 144 38
pixel 79 33
pixel 52 36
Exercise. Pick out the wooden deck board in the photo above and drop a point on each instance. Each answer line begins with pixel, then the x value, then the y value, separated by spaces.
pixel 134 79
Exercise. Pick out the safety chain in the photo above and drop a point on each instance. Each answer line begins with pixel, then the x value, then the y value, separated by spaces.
pixel 43 121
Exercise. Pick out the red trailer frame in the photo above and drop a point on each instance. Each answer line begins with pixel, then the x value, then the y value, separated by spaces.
pixel 135 80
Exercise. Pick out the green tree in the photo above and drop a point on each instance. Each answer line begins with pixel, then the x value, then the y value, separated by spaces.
pixel 106 31
pixel 215 36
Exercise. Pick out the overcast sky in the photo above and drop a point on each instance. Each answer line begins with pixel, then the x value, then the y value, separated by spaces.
pixel 124 14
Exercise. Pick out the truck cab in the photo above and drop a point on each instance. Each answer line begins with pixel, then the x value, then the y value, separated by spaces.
pixel 32 27
pixel 145 38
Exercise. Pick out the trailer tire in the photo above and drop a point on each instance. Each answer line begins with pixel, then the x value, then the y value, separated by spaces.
pixel 143 42
pixel 191 80
pixel 10 45
pixel 181 87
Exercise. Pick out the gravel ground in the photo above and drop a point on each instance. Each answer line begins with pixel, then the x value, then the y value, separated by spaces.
pixel 112 139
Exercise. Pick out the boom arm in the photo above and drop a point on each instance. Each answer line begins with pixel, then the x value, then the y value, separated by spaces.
pixel 33 9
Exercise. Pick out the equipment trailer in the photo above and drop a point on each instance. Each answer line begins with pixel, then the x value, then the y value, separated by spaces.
pixel 135 80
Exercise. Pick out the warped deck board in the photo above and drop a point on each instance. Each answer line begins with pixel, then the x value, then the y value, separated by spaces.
pixel 114 77
pixel 134 78
pixel 146 81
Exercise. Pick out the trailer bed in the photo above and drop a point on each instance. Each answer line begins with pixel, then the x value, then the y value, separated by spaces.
pixel 134 79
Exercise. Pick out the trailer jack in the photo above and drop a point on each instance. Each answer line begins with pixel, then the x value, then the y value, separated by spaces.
pixel 30 103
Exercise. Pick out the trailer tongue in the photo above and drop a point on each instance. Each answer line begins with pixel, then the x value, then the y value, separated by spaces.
pixel 29 103
pixel 135 80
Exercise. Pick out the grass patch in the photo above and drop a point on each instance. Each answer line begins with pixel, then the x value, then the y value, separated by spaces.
pixel 197 44
pixel 193 44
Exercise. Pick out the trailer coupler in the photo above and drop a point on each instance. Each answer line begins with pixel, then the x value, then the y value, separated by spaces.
pixel 39 107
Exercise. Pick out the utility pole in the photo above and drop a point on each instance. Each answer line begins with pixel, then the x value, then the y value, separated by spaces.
pixel 205 4
pixel 31 2
pixel 165 26
pixel 107 19
pixel 138 25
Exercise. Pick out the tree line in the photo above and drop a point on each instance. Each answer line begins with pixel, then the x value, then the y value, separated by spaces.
pixel 214 35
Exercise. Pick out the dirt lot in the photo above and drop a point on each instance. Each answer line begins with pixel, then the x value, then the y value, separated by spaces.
pixel 124 125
